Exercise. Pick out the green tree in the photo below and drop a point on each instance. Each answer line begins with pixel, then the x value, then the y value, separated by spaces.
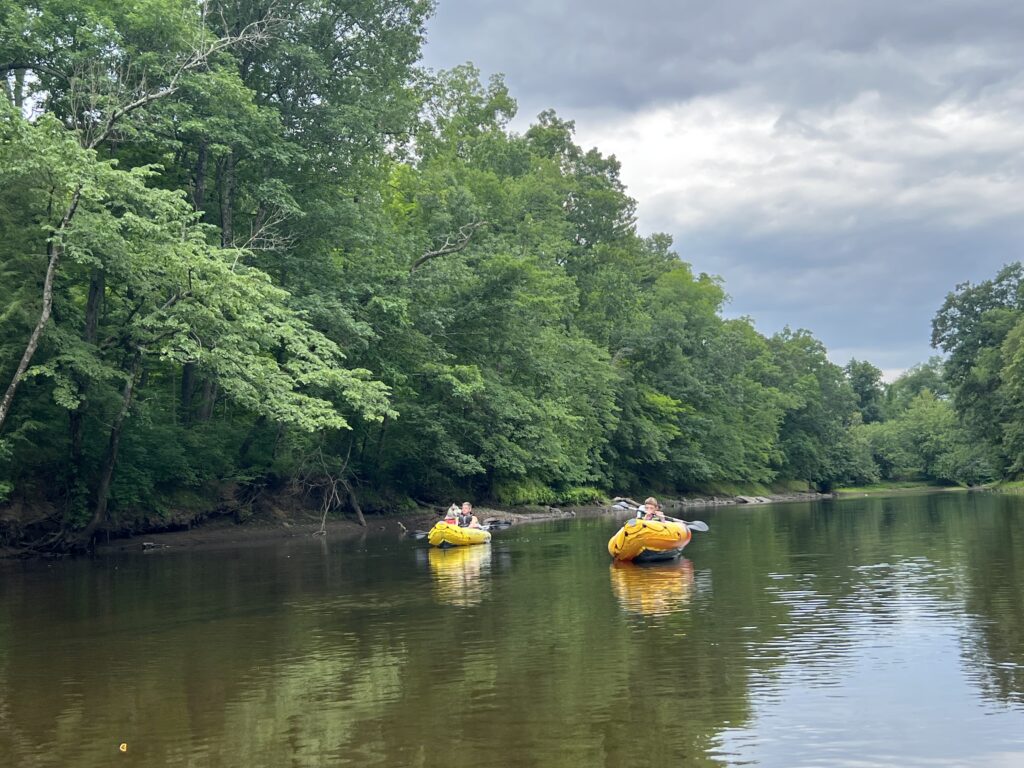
pixel 813 435
pixel 866 381
pixel 929 375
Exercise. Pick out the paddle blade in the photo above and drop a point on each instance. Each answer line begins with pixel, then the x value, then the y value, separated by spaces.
pixel 696 525
pixel 418 535
pixel 497 525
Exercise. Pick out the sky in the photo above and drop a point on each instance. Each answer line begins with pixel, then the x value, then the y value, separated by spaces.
pixel 841 164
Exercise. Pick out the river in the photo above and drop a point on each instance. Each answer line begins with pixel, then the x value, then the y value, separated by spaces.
pixel 860 632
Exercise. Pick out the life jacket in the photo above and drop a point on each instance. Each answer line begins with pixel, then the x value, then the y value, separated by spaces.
pixel 465 520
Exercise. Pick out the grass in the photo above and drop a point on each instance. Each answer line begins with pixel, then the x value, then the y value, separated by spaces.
pixel 753 489
pixel 896 486
pixel 1006 486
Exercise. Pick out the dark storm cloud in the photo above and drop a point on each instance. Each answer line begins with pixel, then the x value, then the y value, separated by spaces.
pixel 579 53
pixel 842 165
pixel 870 293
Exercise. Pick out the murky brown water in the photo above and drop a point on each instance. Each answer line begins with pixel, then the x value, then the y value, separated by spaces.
pixel 857 633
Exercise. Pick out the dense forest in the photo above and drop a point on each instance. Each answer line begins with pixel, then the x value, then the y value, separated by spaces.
pixel 252 250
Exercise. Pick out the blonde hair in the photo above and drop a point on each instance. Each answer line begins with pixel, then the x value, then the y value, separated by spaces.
pixel 652 500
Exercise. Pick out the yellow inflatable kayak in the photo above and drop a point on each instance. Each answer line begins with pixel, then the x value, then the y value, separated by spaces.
pixel 446 535
pixel 645 541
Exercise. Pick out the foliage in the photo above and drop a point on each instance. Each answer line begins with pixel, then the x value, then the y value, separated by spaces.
pixel 926 442
pixel 286 258
pixel 520 492
pixel 866 381
pixel 582 495
pixel 929 375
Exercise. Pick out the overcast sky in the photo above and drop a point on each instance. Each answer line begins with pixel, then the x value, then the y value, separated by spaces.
pixel 842 164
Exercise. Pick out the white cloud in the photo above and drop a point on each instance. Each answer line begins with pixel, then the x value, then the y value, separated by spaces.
pixel 766 167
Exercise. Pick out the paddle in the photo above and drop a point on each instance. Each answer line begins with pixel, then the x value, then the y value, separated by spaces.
pixel 693 525
pixel 496 525
pixel 491 525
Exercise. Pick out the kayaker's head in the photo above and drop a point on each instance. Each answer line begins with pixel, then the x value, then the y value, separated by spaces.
pixel 651 506
pixel 467 508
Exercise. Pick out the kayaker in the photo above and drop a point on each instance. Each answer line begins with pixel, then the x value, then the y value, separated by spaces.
pixel 651 510
pixel 468 519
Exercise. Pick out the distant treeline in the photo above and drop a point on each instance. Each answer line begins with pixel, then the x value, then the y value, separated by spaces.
pixel 246 253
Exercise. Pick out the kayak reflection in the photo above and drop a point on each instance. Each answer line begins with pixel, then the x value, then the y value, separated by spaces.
pixel 457 574
pixel 652 590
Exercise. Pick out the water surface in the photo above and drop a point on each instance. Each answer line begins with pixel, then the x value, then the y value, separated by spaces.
pixel 872 632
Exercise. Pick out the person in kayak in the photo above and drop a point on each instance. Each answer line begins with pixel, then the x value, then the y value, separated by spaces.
pixel 467 519
pixel 651 510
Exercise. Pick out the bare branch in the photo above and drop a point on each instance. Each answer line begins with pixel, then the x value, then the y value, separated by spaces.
pixel 253 33
pixel 264 234
pixel 452 244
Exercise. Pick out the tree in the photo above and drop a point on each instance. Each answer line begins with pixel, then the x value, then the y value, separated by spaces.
pixel 866 381
pixel 813 432
pixel 929 375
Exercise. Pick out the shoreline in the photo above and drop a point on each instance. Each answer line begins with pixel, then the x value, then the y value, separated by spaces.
pixel 852 493
pixel 225 532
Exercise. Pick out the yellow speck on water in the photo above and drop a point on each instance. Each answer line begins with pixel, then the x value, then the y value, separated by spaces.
pixel 123 747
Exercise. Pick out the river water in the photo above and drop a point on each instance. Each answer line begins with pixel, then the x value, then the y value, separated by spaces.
pixel 864 632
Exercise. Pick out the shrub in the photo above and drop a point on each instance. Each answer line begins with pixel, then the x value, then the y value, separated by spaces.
pixel 582 494
pixel 516 493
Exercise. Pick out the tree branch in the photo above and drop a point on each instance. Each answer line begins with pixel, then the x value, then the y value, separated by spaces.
pixel 452 244
pixel 251 34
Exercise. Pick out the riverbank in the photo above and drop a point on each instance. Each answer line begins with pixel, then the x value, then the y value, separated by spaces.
pixel 898 488
pixel 284 518
pixel 226 532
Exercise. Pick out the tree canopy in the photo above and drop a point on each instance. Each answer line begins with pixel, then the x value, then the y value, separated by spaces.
pixel 249 253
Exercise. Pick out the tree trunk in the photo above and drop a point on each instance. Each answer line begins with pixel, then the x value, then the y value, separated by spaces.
pixel 76 425
pixel 226 182
pixel 99 514
pixel 54 251
pixel 188 388
pixel 19 89
pixel 209 399
pixel 97 286
pixel 199 179
pixel 354 501
pixel 380 440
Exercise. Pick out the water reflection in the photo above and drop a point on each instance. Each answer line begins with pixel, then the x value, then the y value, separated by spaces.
pixel 460 574
pixel 656 589
pixel 874 633
pixel 994 653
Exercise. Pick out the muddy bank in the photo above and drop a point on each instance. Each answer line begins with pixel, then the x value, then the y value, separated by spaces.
pixel 278 524
pixel 225 532
pixel 731 501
